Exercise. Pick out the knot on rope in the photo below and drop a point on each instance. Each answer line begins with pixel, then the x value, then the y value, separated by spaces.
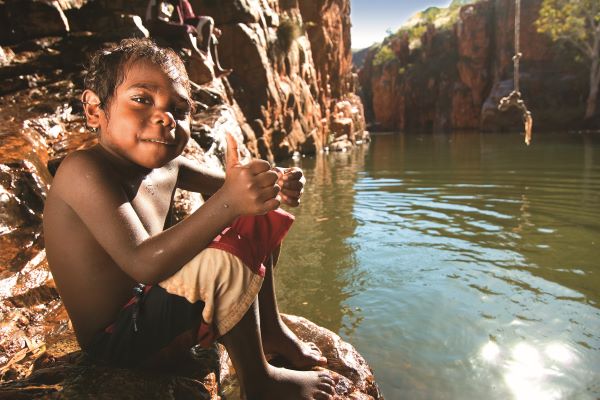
pixel 517 56
pixel 514 100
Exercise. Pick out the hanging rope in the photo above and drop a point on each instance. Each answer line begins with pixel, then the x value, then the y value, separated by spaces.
pixel 514 98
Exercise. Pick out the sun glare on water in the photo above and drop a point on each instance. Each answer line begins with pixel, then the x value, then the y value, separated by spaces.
pixel 527 370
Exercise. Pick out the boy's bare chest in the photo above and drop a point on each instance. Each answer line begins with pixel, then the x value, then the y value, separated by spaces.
pixel 152 198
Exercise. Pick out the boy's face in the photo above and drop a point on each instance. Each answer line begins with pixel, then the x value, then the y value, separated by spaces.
pixel 148 120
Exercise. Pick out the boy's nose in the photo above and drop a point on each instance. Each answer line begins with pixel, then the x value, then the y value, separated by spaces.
pixel 166 119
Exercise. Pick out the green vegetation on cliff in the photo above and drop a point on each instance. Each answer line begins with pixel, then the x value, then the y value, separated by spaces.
pixel 576 22
pixel 384 55
pixel 439 18
pixel 287 32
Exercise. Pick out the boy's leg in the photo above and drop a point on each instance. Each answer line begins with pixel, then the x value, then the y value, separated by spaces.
pixel 261 381
pixel 205 27
pixel 219 70
pixel 277 337
pixel 192 41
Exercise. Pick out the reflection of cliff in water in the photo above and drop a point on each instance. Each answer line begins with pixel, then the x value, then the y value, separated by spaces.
pixel 316 266
pixel 531 209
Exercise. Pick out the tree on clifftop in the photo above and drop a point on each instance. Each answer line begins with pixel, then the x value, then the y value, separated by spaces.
pixel 578 23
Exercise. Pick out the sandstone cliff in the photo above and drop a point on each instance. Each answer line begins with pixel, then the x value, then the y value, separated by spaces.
pixel 291 60
pixel 450 72
pixel 290 91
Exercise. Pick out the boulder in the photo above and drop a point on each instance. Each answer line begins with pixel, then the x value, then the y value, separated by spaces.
pixel 343 127
pixel 33 18
pixel 354 377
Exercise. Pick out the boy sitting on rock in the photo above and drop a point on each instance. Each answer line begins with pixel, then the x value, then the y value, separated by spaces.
pixel 108 234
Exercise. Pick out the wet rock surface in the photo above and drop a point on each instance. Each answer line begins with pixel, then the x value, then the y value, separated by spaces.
pixel 291 109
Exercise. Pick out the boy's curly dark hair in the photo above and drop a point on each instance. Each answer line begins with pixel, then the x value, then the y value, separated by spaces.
pixel 107 67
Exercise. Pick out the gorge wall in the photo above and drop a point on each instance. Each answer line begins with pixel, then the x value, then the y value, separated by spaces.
pixel 289 92
pixel 291 61
pixel 457 73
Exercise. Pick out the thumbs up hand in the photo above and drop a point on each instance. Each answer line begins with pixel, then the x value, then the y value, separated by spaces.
pixel 251 188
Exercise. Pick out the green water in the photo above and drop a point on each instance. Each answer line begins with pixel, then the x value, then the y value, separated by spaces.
pixel 461 266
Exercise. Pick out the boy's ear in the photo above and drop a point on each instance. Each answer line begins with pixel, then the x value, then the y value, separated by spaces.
pixel 92 107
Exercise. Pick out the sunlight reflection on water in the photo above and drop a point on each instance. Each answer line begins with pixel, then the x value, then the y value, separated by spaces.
pixel 528 370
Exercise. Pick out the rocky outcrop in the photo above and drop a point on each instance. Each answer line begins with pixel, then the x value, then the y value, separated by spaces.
pixel 291 60
pixel 457 73
pixel 62 371
pixel 286 94
pixel 292 64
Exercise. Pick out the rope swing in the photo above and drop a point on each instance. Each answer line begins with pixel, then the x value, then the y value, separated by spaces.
pixel 514 98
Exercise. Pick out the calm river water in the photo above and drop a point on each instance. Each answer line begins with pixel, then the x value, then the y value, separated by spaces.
pixel 461 266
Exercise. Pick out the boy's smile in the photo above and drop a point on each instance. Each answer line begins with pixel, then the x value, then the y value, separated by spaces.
pixel 148 118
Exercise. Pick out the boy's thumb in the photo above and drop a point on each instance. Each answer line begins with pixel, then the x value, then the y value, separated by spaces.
pixel 231 157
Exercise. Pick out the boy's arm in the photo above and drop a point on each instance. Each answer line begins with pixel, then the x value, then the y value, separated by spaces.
pixel 106 211
pixel 195 178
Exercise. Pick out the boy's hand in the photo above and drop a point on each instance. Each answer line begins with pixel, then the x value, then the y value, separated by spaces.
pixel 252 188
pixel 291 181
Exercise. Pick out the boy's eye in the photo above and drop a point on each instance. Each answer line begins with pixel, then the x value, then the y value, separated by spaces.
pixel 141 100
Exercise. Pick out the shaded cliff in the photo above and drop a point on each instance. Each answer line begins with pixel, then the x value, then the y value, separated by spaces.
pixel 448 68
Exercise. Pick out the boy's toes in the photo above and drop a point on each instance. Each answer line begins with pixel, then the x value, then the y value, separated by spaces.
pixel 327 388
pixel 326 378
pixel 323 396
pixel 326 384
pixel 312 351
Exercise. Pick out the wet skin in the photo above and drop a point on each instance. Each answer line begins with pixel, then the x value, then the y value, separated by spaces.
pixel 106 219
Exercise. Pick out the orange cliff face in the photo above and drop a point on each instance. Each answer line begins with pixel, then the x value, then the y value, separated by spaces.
pixel 456 76
pixel 292 64
pixel 291 59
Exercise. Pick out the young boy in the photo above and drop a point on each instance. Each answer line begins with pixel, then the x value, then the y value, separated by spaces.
pixel 107 229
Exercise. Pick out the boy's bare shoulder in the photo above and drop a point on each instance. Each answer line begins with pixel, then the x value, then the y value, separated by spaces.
pixel 79 158
pixel 77 163
pixel 81 170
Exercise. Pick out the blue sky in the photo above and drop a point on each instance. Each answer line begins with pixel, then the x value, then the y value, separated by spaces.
pixel 371 18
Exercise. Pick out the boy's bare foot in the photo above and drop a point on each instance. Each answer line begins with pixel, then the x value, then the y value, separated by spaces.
pixel 288 384
pixel 283 342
